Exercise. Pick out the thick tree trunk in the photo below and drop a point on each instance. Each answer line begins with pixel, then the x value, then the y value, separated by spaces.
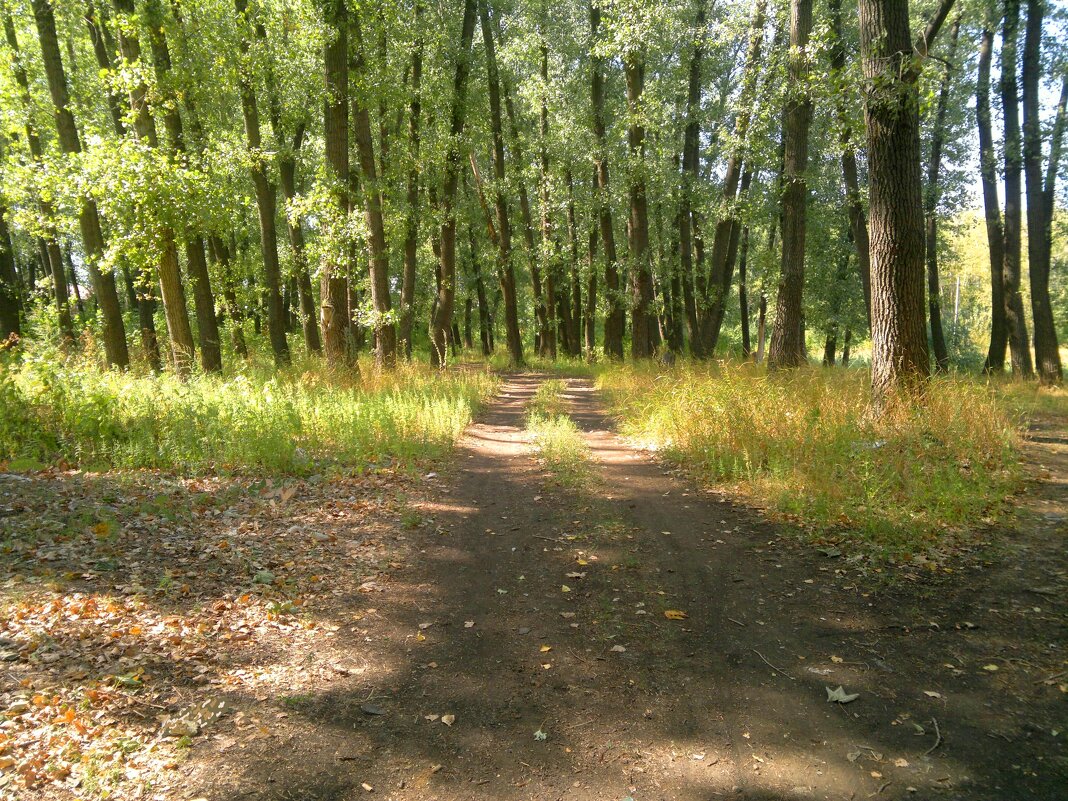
pixel 196 263
pixel 384 329
pixel 641 345
pixel 170 278
pixel 995 233
pixel 10 305
pixel 899 338
pixel 934 166
pixel 333 292
pixel 845 348
pixel 442 318
pixel 548 333
pixel 614 317
pixel 858 221
pixel 103 281
pixel 1039 223
pixel 411 222
pixel 1016 323
pixel 787 342
pixel 690 158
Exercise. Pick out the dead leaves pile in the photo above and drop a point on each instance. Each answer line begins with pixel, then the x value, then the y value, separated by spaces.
pixel 136 610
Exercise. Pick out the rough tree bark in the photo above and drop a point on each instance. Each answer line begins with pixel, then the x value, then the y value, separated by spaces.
pixel 641 344
pixel 690 157
pixel 995 233
pixel 411 222
pixel 1039 223
pixel 548 334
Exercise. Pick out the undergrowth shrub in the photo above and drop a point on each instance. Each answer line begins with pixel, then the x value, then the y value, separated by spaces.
pixel 806 444
pixel 293 420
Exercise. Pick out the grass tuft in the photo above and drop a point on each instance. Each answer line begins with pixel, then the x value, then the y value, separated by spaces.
pixel 560 444
pixel 806 445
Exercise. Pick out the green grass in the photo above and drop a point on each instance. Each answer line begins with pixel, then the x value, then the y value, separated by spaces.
pixel 806 445
pixel 561 447
pixel 297 420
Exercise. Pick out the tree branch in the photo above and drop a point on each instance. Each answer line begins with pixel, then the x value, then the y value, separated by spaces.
pixel 923 44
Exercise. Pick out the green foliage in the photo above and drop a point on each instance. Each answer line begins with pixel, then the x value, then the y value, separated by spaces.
pixel 807 446
pixel 298 420
pixel 561 447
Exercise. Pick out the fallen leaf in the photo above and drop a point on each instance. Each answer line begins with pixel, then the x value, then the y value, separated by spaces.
pixel 540 736
pixel 901 763
pixel 991 668
pixel 840 696
pixel 575 574
pixel 545 648
pixel 564 588
pixel 468 624
pixel 617 649
pixel 675 614
pixel 448 720
pixel 932 694
pixel 367 787
pixel 837 660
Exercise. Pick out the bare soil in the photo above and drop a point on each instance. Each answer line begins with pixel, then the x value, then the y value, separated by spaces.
pixel 510 637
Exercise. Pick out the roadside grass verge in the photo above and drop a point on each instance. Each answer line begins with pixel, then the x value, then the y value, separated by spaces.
pixel 804 445
pixel 560 445
pixel 297 420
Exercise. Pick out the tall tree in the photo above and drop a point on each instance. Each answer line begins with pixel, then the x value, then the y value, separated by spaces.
pixel 614 317
pixel 1010 111
pixel 103 280
pixel 548 334
pixel 1039 219
pixel 931 198
pixel 787 342
pixel 504 229
pixel 995 232
pixel 891 68
pixel 690 157
pixel 411 221
pixel 333 293
pixel 641 343
pixel 441 321
pixel 384 329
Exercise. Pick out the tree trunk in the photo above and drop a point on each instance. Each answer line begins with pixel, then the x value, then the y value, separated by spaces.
pixel 934 166
pixel 203 300
pixel 995 234
pixel 714 295
pixel 690 158
pixel 442 318
pixel 762 327
pixel 641 345
pixel 548 334
pixel 384 329
pixel 858 222
pixel 590 319
pixel 484 324
pixel 333 292
pixel 411 223
pixel 845 348
pixel 1016 323
pixel 10 306
pixel 170 278
pixel 787 342
pixel 287 168
pixel 614 317
pixel 505 269
pixel 103 281
pixel 743 293
pixel 574 335
pixel 1039 225
pixel 899 338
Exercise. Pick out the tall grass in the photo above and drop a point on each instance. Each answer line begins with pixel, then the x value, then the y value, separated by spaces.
pixel 294 420
pixel 561 447
pixel 806 445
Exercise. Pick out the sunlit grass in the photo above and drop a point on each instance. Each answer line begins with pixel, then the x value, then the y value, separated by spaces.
pixel 561 447
pixel 294 420
pixel 805 444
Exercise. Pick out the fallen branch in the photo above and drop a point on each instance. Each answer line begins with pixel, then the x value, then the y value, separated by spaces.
pixel 766 662
pixel 938 737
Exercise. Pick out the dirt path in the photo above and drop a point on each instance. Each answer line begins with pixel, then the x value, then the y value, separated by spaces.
pixel 528 610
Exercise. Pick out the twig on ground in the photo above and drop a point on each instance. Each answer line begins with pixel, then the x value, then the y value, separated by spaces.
pixel 1053 678
pixel 766 662
pixel 736 622
pixel 938 737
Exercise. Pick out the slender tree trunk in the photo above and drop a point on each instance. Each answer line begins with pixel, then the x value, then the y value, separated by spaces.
pixel 170 278
pixel 743 293
pixel 287 167
pixel 103 281
pixel 1019 348
pixel 858 221
pixel 762 327
pixel 266 199
pixel 333 293
pixel 574 336
pixel 1039 224
pixel 72 275
pixel 385 330
pixel 548 334
pixel 899 339
pixel 411 223
pixel 590 320
pixel 614 318
pixel 787 341
pixel 934 166
pixel 484 323
pixel 641 346
pixel 442 318
pixel 995 234
pixel 845 348
pixel 196 263
pixel 505 268
pixel 690 159
pixel 10 305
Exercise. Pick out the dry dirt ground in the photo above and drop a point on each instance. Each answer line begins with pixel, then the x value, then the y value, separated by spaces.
pixel 488 633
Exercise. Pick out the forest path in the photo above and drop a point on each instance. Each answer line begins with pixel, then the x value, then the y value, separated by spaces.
pixel 534 613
